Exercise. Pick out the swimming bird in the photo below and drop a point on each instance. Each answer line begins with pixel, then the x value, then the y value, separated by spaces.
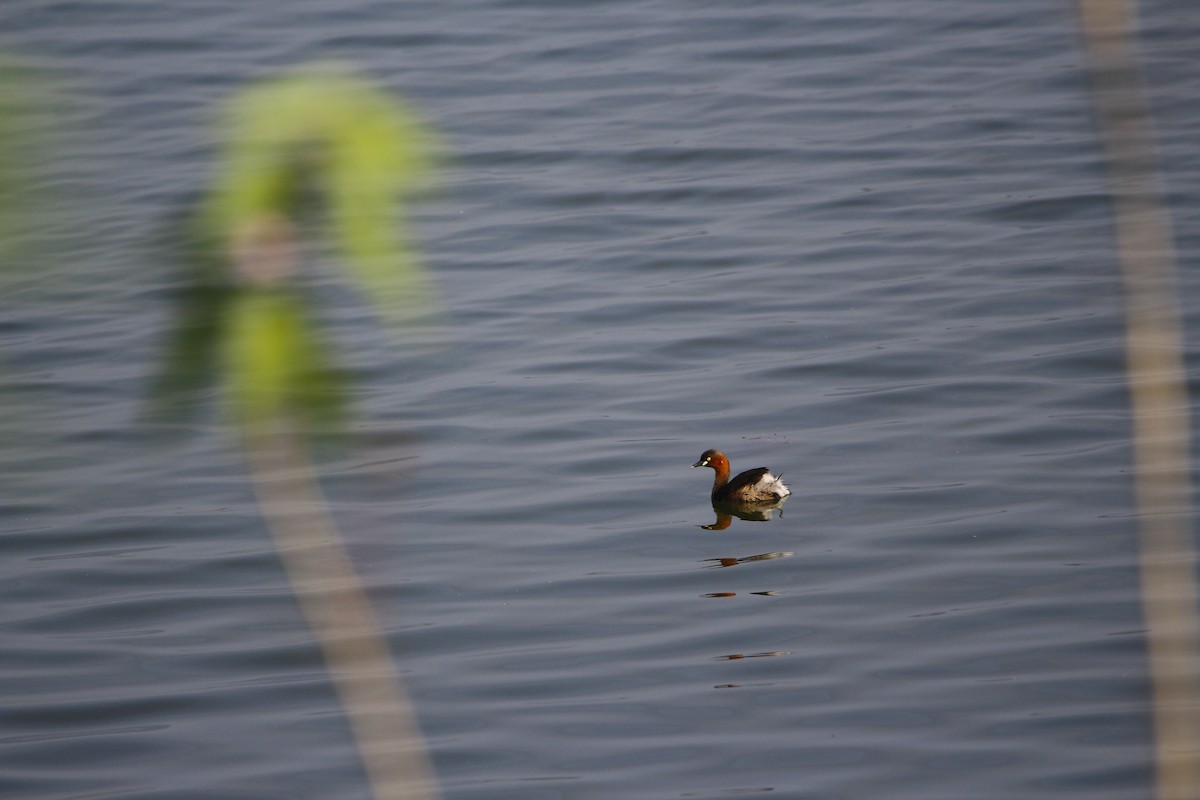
pixel 752 486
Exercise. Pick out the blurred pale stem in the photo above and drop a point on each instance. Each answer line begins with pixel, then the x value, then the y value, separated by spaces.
pixel 329 592
pixel 336 607
pixel 1154 347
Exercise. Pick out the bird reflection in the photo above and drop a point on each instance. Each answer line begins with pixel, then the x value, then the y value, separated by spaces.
pixel 734 594
pixel 751 512
pixel 740 656
pixel 759 510
pixel 727 561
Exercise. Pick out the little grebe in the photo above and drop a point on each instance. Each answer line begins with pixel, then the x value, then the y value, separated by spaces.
pixel 752 486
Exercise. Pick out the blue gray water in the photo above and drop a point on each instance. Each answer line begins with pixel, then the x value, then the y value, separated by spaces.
pixel 867 244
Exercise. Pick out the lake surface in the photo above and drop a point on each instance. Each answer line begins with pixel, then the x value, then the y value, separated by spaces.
pixel 868 244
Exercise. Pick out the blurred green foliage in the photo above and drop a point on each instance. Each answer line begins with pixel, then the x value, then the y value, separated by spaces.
pixel 22 112
pixel 275 364
pixel 317 163
pixel 327 141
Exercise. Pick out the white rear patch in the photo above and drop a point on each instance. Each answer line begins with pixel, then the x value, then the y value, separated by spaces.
pixel 770 484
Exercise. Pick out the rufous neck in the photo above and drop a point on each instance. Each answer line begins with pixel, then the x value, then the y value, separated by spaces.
pixel 721 468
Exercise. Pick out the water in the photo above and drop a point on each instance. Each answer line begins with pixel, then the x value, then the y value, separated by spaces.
pixel 866 244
